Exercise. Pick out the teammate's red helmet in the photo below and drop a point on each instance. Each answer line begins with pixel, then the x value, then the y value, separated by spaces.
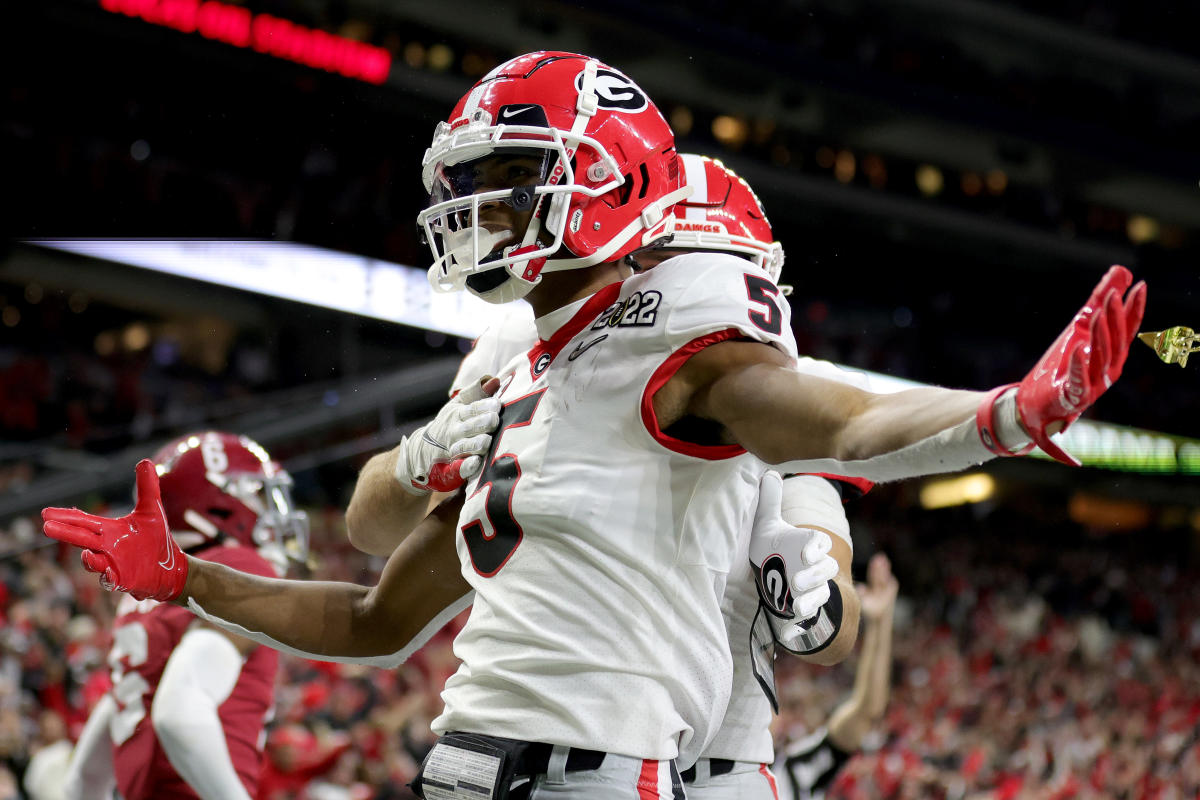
pixel 723 213
pixel 609 175
pixel 218 485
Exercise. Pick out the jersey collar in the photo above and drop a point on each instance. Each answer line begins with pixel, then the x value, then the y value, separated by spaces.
pixel 564 324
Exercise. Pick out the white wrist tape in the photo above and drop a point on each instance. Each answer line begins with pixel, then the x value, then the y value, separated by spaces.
pixel 1009 431
pixel 389 661
pixel 949 450
pixel 812 502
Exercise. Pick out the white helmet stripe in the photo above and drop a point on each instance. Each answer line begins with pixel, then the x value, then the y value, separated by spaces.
pixel 696 176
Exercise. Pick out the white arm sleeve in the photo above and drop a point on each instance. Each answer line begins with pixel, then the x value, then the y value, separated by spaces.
pixel 810 501
pixel 390 661
pixel 949 450
pixel 90 771
pixel 199 677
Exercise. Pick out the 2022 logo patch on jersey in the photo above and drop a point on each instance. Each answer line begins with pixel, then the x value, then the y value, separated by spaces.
pixel 640 309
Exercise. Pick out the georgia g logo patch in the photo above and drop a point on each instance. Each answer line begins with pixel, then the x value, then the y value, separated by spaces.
pixel 615 92
pixel 773 588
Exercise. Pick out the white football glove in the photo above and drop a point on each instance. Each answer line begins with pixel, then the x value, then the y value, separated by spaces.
pixel 794 572
pixel 446 453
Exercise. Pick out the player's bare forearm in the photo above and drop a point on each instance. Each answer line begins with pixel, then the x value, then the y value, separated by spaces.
pixel 420 580
pixel 315 616
pixel 781 415
pixel 381 512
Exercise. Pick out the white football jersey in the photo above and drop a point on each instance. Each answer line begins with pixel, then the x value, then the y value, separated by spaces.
pixel 599 546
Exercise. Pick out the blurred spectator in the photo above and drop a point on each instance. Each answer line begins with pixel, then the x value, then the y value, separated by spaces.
pixel 1030 662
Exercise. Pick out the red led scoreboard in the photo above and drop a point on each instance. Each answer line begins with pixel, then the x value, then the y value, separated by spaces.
pixel 263 33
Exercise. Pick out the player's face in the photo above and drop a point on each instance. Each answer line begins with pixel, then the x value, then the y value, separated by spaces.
pixel 500 172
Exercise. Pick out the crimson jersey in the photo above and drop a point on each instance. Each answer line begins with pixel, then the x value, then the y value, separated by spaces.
pixel 144 636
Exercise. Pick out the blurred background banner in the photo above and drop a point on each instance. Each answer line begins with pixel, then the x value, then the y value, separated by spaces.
pixel 209 217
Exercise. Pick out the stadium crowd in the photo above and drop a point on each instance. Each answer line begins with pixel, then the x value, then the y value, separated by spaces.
pixel 1064 669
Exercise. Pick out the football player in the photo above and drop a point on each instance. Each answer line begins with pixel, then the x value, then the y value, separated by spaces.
pixel 808 767
pixel 608 511
pixel 185 715
pixel 724 215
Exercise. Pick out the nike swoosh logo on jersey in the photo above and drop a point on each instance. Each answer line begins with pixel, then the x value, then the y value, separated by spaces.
pixel 582 348
pixel 426 437
pixel 512 112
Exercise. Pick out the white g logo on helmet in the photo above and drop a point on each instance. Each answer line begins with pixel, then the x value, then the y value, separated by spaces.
pixel 616 92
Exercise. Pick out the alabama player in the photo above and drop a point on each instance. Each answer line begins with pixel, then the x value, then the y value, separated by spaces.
pixel 599 533
pixel 185 715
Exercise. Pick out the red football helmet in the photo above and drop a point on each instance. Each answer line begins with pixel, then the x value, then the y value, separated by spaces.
pixel 604 180
pixel 217 485
pixel 723 213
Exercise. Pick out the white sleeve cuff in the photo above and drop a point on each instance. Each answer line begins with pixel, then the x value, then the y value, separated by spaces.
pixel 949 450
pixel 811 501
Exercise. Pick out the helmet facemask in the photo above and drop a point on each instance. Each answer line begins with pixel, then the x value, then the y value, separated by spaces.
pixel 461 177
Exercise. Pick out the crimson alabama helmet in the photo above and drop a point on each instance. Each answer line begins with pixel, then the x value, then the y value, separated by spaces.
pixel 219 485
pixel 609 174
pixel 723 213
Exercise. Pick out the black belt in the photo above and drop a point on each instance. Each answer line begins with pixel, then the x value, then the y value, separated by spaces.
pixel 533 758
pixel 716 766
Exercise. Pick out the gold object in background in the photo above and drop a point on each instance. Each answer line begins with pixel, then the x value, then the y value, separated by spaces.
pixel 1173 345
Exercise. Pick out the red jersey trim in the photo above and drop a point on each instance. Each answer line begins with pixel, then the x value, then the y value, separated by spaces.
pixel 545 351
pixel 664 373
pixel 863 485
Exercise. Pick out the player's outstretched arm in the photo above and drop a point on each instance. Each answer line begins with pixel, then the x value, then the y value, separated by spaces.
pixel 90 772
pixel 199 676
pixel 420 589
pixel 800 551
pixel 397 488
pixel 137 554
pixel 801 421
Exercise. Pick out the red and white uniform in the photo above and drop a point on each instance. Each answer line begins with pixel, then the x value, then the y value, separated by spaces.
pixel 599 546
pixel 744 735
pixel 144 635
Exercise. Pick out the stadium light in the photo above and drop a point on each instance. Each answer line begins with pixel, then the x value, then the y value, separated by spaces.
pixel 401 294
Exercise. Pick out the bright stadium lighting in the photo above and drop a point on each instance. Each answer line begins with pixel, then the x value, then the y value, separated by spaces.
pixel 957 491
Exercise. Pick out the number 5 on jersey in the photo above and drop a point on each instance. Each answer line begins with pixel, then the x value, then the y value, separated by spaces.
pixel 762 292
pixel 490 552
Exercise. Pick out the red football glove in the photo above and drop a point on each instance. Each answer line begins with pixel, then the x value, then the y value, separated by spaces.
pixel 135 553
pixel 1083 362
